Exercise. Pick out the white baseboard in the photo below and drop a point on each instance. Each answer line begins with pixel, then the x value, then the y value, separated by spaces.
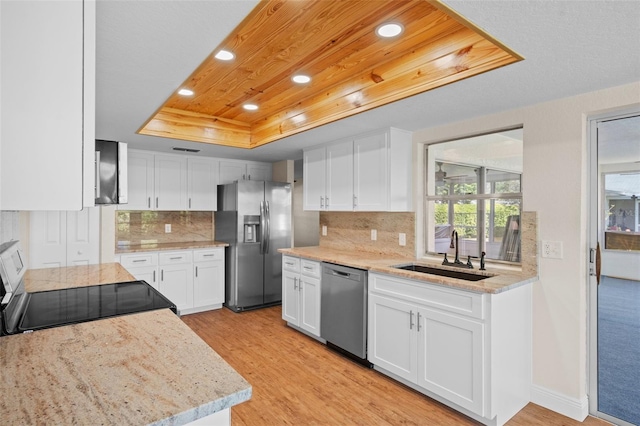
pixel 577 409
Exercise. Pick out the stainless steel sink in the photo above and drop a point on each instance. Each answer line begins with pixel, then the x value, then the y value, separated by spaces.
pixel 461 275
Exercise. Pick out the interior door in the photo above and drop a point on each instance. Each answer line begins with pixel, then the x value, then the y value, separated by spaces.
pixel 83 237
pixel 615 268
pixel 48 239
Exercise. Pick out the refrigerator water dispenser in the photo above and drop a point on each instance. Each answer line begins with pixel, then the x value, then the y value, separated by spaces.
pixel 251 228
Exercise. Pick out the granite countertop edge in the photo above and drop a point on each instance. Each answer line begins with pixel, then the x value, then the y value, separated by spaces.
pixel 143 247
pixel 499 281
pixel 207 409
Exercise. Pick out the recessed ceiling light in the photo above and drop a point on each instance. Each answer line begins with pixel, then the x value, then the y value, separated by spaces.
pixel 390 29
pixel 250 107
pixel 301 79
pixel 185 92
pixel 224 55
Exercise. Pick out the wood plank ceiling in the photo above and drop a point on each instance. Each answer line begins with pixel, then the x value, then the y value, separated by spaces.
pixel 335 43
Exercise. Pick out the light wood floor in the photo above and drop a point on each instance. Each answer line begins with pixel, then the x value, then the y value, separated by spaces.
pixel 298 381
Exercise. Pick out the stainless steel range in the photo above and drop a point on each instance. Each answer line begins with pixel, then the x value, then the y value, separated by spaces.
pixel 22 312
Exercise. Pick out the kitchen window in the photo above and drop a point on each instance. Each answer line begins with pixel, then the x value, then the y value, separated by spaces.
pixel 474 188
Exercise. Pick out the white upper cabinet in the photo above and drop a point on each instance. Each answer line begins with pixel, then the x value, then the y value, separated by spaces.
pixel 141 192
pixel 202 183
pixel 339 190
pixel 170 181
pixel 371 172
pixel 314 172
pixel 233 170
pixel 47 107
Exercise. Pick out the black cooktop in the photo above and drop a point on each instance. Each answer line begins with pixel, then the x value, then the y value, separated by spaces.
pixel 80 304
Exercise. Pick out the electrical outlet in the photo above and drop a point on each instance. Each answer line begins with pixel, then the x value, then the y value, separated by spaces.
pixel 324 230
pixel 374 234
pixel 167 228
pixel 552 249
pixel 402 239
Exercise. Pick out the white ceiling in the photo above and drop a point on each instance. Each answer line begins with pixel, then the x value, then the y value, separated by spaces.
pixel 146 49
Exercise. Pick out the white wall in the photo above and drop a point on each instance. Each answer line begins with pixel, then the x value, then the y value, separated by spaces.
pixel 554 185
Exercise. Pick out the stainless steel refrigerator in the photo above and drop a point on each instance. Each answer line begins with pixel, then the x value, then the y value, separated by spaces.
pixel 254 218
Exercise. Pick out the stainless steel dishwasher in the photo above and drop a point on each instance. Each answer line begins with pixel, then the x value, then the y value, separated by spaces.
pixel 343 310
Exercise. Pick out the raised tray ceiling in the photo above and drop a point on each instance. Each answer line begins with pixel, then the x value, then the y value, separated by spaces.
pixel 334 42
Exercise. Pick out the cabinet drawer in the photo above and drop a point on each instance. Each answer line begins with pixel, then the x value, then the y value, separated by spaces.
pixel 290 263
pixel 436 296
pixel 175 257
pixel 310 268
pixel 142 259
pixel 208 255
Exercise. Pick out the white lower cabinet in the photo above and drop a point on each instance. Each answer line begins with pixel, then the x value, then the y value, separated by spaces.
pixel 468 350
pixel 301 294
pixel 208 279
pixel 192 279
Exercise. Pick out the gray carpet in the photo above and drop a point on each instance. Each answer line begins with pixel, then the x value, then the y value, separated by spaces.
pixel 619 349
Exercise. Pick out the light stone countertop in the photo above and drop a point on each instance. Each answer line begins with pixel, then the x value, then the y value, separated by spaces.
pixel 498 281
pixel 143 368
pixel 142 247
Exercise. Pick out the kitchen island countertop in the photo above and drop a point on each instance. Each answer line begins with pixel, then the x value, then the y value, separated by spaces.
pixel 498 281
pixel 145 368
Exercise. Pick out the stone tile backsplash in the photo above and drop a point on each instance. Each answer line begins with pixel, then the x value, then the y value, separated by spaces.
pixel 140 227
pixel 352 231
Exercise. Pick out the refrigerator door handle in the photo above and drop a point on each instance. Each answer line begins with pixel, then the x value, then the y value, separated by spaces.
pixel 268 231
pixel 262 226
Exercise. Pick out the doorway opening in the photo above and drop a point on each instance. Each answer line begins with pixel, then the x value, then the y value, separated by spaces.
pixel 614 284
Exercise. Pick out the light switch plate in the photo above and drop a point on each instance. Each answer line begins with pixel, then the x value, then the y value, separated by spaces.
pixel 167 228
pixel 324 230
pixel 374 234
pixel 552 249
pixel 402 239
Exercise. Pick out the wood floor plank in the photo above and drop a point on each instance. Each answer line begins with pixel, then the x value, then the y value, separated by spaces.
pixel 299 381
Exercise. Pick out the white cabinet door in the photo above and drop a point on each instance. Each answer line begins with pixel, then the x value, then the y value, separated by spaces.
pixel 170 179
pixel 202 184
pixel 339 189
pixel 259 171
pixel 176 284
pixel 145 273
pixel 46 141
pixel 231 171
pixel 370 169
pixel 314 170
pixel 290 297
pixel 208 283
pixel 309 289
pixel 83 237
pixel 393 340
pixel 140 182
pixel 451 358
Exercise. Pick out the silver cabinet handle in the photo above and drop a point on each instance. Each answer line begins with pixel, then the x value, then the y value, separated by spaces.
pixel 154 276
pixel 308 268
pixel 189 202
pixel 208 255
pixel 326 202
pixel 410 320
pixel 156 202
pixel 97 169
pixel 321 201
pixel 418 323
pixel 149 202
pixel 355 201
pixel 244 177
pixel 288 263
pixel 295 283
pixel 139 260
pixel 162 275
pixel 176 258
pixel 197 274
pixel 249 177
